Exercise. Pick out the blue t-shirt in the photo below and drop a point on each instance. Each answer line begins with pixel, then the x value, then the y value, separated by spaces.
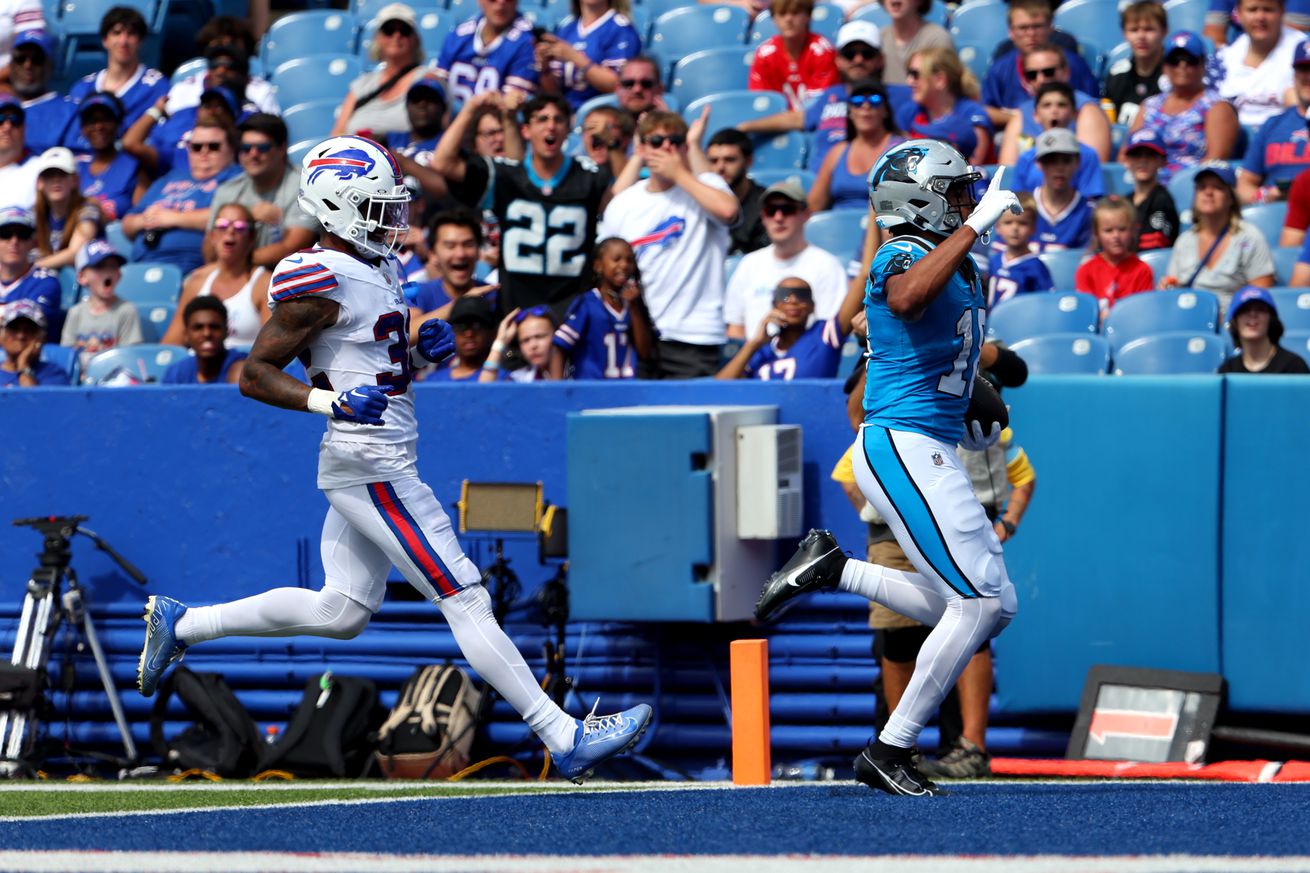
pixel 825 118
pixel 446 373
pixel 45 373
pixel 51 121
pixel 187 370
pixel 920 373
pixel 472 67
pixel 1023 275
pixel 1003 86
pixel 178 190
pixel 1070 229
pixel 1031 127
pixel 419 150
pixel 142 93
pixel 113 187
pixel 1028 173
pixel 610 41
pixel 957 128
pixel 816 354
pixel 1280 148
pixel 41 286
pixel 597 340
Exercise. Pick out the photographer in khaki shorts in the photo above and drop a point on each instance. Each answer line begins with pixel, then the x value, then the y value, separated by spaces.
pixel 1004 479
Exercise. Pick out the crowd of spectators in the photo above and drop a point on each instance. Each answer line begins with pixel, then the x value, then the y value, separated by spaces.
pixel 695 255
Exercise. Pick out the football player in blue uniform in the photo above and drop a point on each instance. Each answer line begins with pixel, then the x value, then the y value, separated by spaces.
pixel 925 308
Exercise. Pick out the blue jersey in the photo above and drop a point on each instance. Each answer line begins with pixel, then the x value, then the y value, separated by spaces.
pixel 1004 86
pixel 957 128
pixel 471 67
pixel 179 191
pixel 1023 275
pixel 420 150
pixel 51 121
pixel 41 286
pixel 610 41
pixel 113 187
pixel 920 373
pixel 1070 229
pixel 597 340
pixel 446 373
pixel 187 370
pixel 1279 149
pixel 45 373
pixel 816 354
pixel 1028 109
pixel 142 92
pixel 1089 181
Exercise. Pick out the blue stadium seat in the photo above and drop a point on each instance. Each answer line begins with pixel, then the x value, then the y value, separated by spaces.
pixel 316 77
pixel 146 362
pixel 315 32
pixel 840 231
pixel 1182 188
pixel 115 237
pixel 1033 315
pixel 730 108
pixel 155 319
pixel 981 26
pixel 1118 133
pixel 1267 219
pixel 1063 264
pixel 641 18
pixel 711 71
pixel 656 8
pixel 784 151
pixel 83 16
pixel 1115 178
pixel 1156 312
pixel 1174 353
pixel 1065 354
pixel 69 290
pixel 826 21
pixel 187 69
pixel 543 16
pixel 312 120
pixel 765 178
pixel 1158 261
pixel 462 10
pixel 1293 307
pixel 678 33
pixel 366 10
pixel 1186 14
pixel 1285 258
pixel 147 283
pixel 1297 341
pixel 1094 22
pixel 296 152
pixel 875 13
pixel 1121 52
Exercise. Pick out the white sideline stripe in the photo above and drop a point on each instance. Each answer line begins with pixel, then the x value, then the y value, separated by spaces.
pixel 328 862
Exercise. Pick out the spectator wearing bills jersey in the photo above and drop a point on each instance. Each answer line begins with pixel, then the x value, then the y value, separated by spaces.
pixel 608 329
pixel 1015 269
pixel 491 52
pixel 122 31
pixel 582 59
pixel 796 62
pixel 1281 147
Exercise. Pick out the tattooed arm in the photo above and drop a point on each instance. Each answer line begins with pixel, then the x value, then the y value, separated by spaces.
pixel 294 325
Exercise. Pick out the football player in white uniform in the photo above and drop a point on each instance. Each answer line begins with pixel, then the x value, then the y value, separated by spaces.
pixel 339 307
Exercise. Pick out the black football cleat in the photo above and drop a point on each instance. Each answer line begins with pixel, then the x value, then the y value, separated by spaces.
pixel 816 566
pixel 894 777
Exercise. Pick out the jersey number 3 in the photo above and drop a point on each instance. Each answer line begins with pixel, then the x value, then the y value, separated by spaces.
pixel 395 324
pixel 549 244
pixel 958 382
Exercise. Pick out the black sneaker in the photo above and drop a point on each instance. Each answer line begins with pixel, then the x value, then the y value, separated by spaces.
pixel 816 566
pixel 964 761
pixel 894 777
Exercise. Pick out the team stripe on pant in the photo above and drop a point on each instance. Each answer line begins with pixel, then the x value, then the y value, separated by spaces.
pixel 896 482
pixel 411 538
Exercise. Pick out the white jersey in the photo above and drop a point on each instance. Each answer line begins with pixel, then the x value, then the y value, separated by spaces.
pixel 368 345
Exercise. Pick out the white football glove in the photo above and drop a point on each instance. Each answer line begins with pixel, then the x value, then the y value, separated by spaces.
pixel 975 440
pixel 995 203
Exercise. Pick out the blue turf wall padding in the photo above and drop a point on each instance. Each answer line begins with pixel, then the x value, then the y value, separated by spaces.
pixel 1117 559
pixel 1266 557
pixel 658 518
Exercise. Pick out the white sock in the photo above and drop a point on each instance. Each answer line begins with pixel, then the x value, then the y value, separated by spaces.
pixel 281 612
pixel 494 656
pixel 910 594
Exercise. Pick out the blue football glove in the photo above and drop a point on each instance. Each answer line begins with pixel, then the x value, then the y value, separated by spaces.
pixel 436 340
pixel 362 405
pixel 975 440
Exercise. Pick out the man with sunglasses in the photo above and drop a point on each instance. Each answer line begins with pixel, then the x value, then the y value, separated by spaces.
pixel 1042 64
pixel 51 114
pixel 268 186
pixel 791 343
pixel 640 89
pixel 228 56
pixel 677 222
pixel 19 279
pixel 122 30
pixel 490 52
pixel 162 148
pixel 17 171
pixel 1005 86
pixel 749 298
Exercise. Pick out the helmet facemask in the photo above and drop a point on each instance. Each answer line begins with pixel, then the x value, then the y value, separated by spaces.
pixel 383 221
pixel 960 197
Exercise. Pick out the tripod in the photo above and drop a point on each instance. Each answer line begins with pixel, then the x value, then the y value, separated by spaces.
pixel 53 595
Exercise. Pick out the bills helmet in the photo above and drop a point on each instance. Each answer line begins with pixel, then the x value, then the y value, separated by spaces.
pixel 355 189
pixel 923 183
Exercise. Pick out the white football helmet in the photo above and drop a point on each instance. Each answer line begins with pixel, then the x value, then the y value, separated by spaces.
pixel 924 183
pixel 355 189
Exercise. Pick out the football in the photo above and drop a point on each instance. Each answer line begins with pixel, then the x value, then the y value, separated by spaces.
pixel 986 406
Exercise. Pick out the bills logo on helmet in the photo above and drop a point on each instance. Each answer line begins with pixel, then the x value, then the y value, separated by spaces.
pixel 346 164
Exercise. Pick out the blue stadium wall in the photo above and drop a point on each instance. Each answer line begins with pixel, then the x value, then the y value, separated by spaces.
pixel 1167 531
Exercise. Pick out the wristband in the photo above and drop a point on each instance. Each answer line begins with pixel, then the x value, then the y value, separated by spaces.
pixel 27 372
pixel 498 348
pixel 156 113
pixel 320 401
pixel 491 366
pixel 1009 526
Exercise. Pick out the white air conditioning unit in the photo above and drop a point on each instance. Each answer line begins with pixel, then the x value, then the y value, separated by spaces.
pixel 769 482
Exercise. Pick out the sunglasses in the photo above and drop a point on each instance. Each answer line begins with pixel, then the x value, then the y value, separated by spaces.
pixel 27 59
pixel 198 147
pixel 637 83
pixel 1184 59
pixel 1048 72
pixel 538 311
pixel 655 140
pixel 865 100
pixel 227 223
pixel 262 147
pixel 12 232
pixel 853 52
pixel 13 117
pixel 392 28
pixel 780 207
pixel 792 295
pixel 911 75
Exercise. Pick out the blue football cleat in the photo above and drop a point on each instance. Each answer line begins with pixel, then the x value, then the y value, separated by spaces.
pixel 601 737
pixel 161 647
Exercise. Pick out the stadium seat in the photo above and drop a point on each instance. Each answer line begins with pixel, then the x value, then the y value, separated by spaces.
pixel 1293 307
pixel 1158 261
pixel 1095 23
pixel 296 153
pixel 1062 265
pixel 1267 219
pixel 784 151
pixel 676 34
pixel 875 13
pixel 543 16
pixel 146 283
pixel 1065 354
pixel 981 26
pixel 1118 133
pixel 1171 354
pixel 840 231
pixel 69 290
pixel 312 120
pixel 1186 14
pixel 188 69
pixel 316 77
pixel 155 319
pixel 1115 178
pixel 1182 188
pixel 1285 258
pixel 977 58
pixel 765 178
pixel 146 362
pixel 1297 341
pixel 711 71
pixel 83 16
pixel 115 237
pixel 366 10
pixel 1033 315
pixel 1155 312
pixel 730 108
pixel 826 21
pixel 462 10
pixel 309 33
pixel 656 8
pixel 1121 52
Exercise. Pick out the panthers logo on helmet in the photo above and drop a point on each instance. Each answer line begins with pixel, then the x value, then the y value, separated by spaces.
pixel 899 166
pixel 346 164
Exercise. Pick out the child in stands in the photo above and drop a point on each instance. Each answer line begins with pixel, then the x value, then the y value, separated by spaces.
pixel 1114 271
pixel 1015 270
